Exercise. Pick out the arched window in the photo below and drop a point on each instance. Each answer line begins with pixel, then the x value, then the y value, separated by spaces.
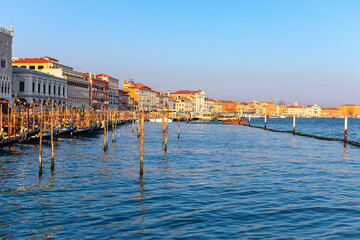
pixel 3 61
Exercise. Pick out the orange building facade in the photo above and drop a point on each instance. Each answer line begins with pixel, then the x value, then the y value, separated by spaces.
pixel 350 109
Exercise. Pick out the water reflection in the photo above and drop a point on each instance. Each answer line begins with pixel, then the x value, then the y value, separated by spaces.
pixel 142 208
pixel 346 153
pixel 44 206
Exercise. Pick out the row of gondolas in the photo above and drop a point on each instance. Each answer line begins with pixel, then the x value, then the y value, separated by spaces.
pixel 33 135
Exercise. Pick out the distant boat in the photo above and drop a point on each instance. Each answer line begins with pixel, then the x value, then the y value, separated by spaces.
pixel 227 117
pixel 282 116
pixel 253 116
pixel 205 117
pixel 158 120
pixel 235 121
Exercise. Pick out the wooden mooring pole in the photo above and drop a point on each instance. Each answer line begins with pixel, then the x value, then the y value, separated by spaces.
pixel 179 127
pixel 345 129
pixel 265 122
pixel 294 124
pixel 52 136
pixel 41 131
pixel 142 143
pixel 167 130
pixel 162 128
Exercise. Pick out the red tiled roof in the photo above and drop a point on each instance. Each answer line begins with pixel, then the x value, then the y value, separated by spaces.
pixel 51 58
pixel 104 75
pixel 31 60
pixel 330 108
pixel 294 107
pixel 186 92
pixel 45 59
pixel 138 86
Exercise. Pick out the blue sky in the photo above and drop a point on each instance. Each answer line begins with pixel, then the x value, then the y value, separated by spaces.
pixel 305 51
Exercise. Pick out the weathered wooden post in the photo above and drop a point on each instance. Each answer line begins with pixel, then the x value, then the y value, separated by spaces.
pixel 345 129
pixel 294 124
pixel 249 120
pixel 179 126
pixel 265 122
pixel 167 130
pixel 9 121
pixel 162 128
pixel 138 124
pixel 142 144
pixel 27 119
pixel 40 144
pixel 33 113
pixel 52 136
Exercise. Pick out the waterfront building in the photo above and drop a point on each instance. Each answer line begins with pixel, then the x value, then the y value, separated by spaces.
pixel 142 95
pixel 209 105
pixel 298 111
pixel 218 106
pixel 226 106
pixel 313 110
pixel 197 97
pixel 184 105
pixel 330 112
pixel 123 101
pixel 31 86
pixel 113 90
pixel 99 91
pixel 6 36
pixel 249 107
pixel 77 86
pixel 350 109
pixel 164 101
pixel 269 108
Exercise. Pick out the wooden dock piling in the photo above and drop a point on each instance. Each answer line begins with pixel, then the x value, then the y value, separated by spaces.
pixel 179 126
pixel 142 143
pixel 167 130
pixel 345 129
pixel 40 144
pixel 294 124
pixel 52 136
pixel 265 122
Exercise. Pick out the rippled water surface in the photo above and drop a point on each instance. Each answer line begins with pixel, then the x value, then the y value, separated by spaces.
pixel 217 181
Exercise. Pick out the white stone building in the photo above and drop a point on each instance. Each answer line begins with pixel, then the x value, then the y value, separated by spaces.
pixel 197 98
pixel 314 110
pixel 31 86
pixel 78 88
pixel 6 36
pixel 77 85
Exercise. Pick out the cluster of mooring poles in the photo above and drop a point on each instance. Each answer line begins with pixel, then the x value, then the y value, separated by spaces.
pixel 30 124
pixel 164 118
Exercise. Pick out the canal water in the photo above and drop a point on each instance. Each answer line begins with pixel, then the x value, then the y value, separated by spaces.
pixel 217 181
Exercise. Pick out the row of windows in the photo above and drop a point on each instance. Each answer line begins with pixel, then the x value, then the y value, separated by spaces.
pixel 82 85
pixel 33 67
pixel 5 89
pixel 22 88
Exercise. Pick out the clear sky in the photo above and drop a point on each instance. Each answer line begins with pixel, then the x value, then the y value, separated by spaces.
pixel 306 50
